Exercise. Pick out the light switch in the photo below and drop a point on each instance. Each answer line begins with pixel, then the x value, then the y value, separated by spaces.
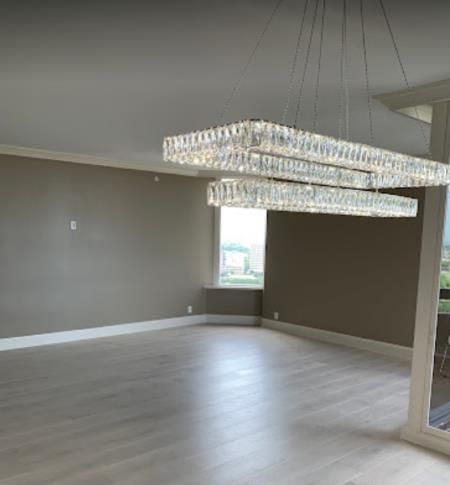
pixel 73 225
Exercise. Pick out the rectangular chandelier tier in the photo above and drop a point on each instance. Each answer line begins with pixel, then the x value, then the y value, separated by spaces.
pixel 257 147
pixel 283 196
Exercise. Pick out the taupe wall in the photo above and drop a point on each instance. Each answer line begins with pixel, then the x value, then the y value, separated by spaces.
pixel 234 302
pixel 143 250
pixel 351 275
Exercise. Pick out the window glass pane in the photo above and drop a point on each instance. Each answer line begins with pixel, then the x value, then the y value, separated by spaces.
pixel 242 246
pixel 444 303
pixel 439 416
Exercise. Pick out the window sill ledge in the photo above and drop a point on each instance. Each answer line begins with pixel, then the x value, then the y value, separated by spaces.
pixel 233 287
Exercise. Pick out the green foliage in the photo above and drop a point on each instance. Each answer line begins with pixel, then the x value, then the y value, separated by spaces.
pixel 444 306
pixel 233 280
pixel 229 246
pixel 445 279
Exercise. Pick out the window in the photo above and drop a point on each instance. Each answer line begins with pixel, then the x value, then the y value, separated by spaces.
pixel 444 302
pixel 242 246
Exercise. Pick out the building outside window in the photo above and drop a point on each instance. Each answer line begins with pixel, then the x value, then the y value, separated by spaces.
pixel 242 246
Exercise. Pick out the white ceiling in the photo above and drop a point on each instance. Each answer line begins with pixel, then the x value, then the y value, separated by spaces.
pixel 110 79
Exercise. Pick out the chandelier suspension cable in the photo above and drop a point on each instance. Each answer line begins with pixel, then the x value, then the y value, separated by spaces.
pixel 294 63
pixel 366 72
pixel 249 61
pixel 402 68
pixel 344 104
pixel 305 68
pixel 319 64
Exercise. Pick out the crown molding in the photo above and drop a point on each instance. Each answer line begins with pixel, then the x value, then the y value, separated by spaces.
pixel 423 94
pixel 159 167
pixel 416 102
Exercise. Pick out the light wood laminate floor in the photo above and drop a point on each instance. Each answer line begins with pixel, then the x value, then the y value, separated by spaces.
pixel 207 405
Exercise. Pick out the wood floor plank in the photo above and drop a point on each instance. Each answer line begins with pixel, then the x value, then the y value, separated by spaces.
pixel 205 405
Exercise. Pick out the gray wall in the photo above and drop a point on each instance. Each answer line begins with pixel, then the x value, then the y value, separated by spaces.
pixel 143 250
pixel 351 275
pixel 234 302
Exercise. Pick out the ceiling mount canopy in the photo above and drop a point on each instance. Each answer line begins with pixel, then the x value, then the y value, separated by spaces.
pixel 336 166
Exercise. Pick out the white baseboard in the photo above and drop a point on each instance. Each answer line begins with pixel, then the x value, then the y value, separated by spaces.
pixel 398 351
pixel 233 319
pixel 165 323
pixel 97 332
pixel 38 340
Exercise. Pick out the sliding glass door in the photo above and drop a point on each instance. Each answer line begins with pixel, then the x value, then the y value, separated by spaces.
pixel 439 414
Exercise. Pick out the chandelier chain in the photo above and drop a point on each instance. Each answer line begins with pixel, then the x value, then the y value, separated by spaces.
pixel 294 63
pixel 366 72
pixel 305 68
pixel 249 61
pixel 344 104
pixel 319 65
pixel 402 68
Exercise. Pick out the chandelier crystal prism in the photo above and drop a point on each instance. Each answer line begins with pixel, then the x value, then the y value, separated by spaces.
pixel 256 147
pixel 282 196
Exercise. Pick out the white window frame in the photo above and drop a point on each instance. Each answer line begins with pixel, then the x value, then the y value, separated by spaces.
pixel 216 262
pixel 216 258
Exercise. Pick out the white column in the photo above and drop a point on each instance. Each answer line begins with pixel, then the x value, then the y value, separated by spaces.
pixel 417 429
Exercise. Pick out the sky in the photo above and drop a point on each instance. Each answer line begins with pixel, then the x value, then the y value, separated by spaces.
pixel 243 226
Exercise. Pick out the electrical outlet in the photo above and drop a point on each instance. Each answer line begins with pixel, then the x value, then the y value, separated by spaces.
pixel 73 225
pixel 276 315
pixel 189 309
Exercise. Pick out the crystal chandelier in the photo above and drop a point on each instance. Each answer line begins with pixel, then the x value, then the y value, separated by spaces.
pixel 268 149
pixel 335 166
